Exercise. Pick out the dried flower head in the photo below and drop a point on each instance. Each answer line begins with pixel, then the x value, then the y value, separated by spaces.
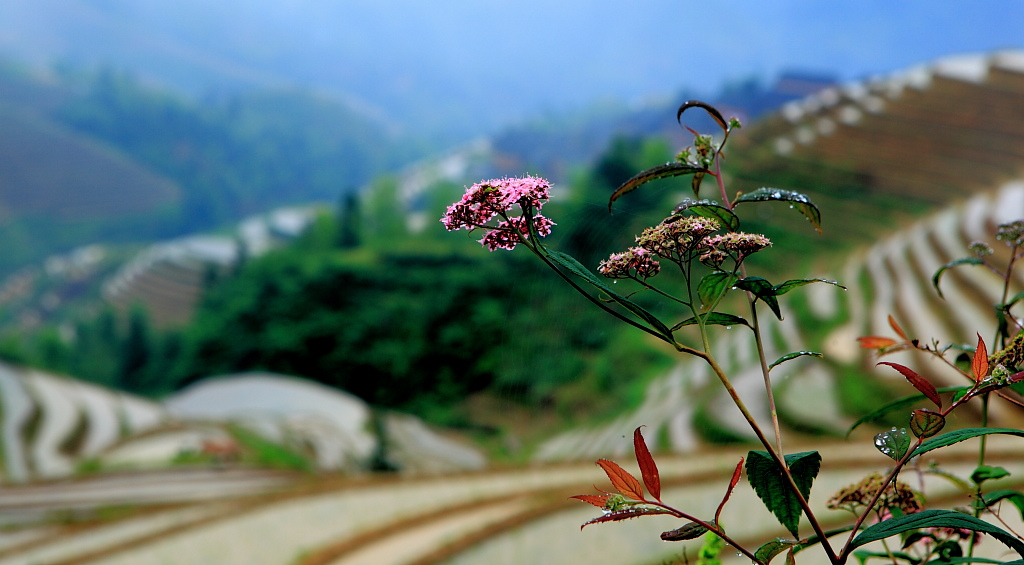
pixel 675 236
pixel 635 262
pixel 898 495
pixel 980 249
pixel 485 200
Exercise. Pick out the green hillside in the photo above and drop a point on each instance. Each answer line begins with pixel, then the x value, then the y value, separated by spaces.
pixel 91 156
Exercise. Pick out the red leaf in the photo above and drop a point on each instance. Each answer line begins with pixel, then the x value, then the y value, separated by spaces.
pixel 597 500
pixel 920 383
pixel 626 514
pixel 622 480
pixel 896 328
pixel 648 469
pixel 980 363
pixel 876 342
pixel 732 485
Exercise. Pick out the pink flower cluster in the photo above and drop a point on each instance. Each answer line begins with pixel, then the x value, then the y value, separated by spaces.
pixel 635 262
pixel 485 200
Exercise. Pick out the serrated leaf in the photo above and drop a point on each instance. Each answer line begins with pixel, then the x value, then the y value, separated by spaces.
pixel 711 110
pixel 979 364
pixel 934 519
pixel 598 500
pixel 711 210
pixel 623 482
pixel 712 287
pixel 920 383
pixel 926 423
pixel 626 514
pixel 1015 498
pixel 986 473
pixel 648 469
pixel 772 487
pixel 693 530
pixel 794 355
pixel 713 318
pixel 577 268
pixel 736 474
pixel 768 551
pixel 667 170
pixel 957 436
pixel 899 404
pixel 950 265
pixel 799 201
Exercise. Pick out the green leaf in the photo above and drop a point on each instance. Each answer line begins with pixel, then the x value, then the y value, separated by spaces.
pixel 985 473
pixel 577 268
pixel 794 355
pixel 961 435
pixel 899 404
pixel 934 519
pixel 950 265
pixel 712 287
pixel 709 209
pixel 773 489
pixel 762 290
pixel 893 444
pixel 1016 298
pixel 713 318
pixel 789 285
pixel 768 551
pixel 1015 498
pixel 926 423
pixel 796 200
pixel 667 170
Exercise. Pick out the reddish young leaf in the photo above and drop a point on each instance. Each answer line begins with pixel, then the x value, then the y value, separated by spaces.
pixel 598 500
pixel 980 363
pixel 622 480
pixel 648 469
pixel 626 514
pixel 896 328
pixel 876 342
pixel 732 485
pixel 920 383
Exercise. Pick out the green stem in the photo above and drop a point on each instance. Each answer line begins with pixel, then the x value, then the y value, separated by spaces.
pixel 765 372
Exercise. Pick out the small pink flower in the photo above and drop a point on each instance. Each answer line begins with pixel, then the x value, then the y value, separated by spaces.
pixel 485 200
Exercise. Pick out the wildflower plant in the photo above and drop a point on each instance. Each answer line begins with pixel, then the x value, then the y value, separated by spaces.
pixel 701 243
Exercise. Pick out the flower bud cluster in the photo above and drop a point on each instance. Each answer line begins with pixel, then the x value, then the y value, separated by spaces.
pixel 1012 233
pixel 635 262
pixel 485 200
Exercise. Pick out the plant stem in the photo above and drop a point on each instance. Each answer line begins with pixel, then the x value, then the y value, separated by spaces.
pixel 765 371
pixel 775 455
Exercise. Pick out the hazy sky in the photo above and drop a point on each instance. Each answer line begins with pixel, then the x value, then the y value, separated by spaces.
pixel 503 59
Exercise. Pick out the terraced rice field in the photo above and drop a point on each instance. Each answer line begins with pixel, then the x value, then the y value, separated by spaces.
pixel 514 516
